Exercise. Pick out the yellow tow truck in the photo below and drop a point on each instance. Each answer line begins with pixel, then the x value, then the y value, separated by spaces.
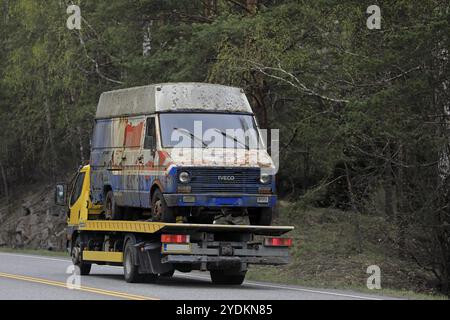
pixel 148 250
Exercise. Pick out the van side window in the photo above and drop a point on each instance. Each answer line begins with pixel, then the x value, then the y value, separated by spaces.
pixel 102 134
pixel 77 188
pixel 150 135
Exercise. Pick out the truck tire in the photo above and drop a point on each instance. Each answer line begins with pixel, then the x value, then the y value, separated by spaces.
pixel 130 269
pixel 260 216
pixel 168 274
pixel 85 268
pixel 160 211
pixel 112 210
pixel 221 277
pixel 150 278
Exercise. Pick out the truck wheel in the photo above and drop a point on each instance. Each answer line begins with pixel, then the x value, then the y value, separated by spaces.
pixel 160 211
pixel 130 269
pixel 260 216
pixel 112 211
pixel 85 268
pixel 150 278
pixel 168 274
pixel 223 278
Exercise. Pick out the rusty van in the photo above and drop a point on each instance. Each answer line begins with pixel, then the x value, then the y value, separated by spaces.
pixel 169 153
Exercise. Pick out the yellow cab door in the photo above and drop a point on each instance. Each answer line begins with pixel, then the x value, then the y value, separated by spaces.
pixel 79 197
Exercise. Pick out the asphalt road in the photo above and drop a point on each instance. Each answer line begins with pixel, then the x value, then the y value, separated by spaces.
pixel 30 277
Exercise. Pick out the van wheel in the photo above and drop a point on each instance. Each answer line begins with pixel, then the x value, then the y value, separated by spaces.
pixel 112 211
pixel 130 269
pixel 222 278
pixel 260 216
pixel 160 211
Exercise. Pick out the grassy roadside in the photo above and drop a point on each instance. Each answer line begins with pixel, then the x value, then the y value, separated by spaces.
pixel 268 274
pixel 36 252
pixel 327 254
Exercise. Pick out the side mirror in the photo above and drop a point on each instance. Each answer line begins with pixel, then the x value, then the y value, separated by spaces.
pixel 61 195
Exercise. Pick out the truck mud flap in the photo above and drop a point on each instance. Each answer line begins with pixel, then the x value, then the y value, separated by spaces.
pixel 149 257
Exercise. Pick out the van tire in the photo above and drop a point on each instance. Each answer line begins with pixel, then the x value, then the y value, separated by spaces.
pixel 111 209
pixel 160 211
pixel 260 216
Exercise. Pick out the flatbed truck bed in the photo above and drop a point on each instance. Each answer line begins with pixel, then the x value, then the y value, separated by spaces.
pixel 148 250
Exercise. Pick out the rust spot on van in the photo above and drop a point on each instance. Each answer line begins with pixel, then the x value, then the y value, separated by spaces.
pixel 163 159
pixel 133 135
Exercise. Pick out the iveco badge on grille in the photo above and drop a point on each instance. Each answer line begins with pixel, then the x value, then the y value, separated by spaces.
pixel 225 178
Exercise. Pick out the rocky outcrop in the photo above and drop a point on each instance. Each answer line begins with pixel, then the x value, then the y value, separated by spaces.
pixel 34 222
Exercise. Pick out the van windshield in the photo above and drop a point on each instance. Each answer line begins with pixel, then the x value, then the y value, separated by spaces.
pixel 209 130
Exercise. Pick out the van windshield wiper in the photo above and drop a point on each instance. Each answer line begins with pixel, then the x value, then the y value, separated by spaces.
pixel 232 138
pixel 190 134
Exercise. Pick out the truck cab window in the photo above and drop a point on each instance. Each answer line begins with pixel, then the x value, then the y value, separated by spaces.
pixel 150 135
pixel 77 188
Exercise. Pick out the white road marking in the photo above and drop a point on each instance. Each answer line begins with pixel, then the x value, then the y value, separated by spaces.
pixel 206 278
pixel 290 288
pixel 34 257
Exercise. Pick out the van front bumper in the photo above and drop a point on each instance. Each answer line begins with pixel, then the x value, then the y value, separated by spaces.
pixel 220 200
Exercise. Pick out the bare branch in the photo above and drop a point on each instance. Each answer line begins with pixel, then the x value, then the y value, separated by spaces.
pixel 292 80
pixel 97 68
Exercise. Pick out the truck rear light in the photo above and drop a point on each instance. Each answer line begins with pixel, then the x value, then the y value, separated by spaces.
pixel 278 242
pixel 175 238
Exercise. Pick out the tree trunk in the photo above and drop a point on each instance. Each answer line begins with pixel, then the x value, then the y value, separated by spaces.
pixel 5 185
pixel 6 10
pixel 210 8
pixel 51 140
pixel 354 209
pixel 442 213
pixel 401 219
pixel 147 38
pixel 388 187
pixel 252 6
pixel 80 141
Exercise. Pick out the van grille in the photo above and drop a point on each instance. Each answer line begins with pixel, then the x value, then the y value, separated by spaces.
pixel 225 180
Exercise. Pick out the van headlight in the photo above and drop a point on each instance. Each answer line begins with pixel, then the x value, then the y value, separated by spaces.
pixel 184 177
pixel 265 179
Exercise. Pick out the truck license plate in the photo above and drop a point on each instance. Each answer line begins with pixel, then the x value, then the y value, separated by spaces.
pixel 176 248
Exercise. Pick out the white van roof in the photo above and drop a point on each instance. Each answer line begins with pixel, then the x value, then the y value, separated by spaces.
pixel 172 97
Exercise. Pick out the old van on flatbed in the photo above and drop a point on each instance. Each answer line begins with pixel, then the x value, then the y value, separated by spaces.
pixel 170 152
pixel 185 153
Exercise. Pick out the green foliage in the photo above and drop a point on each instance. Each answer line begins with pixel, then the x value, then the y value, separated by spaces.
pixel 361 112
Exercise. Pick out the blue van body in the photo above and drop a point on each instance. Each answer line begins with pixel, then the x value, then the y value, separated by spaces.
pixel 144 140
